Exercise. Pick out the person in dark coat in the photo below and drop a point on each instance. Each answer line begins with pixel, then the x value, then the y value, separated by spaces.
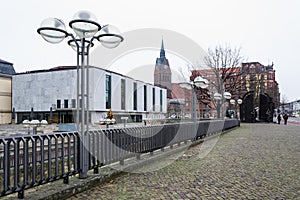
pixel 285 118
pixel 279 118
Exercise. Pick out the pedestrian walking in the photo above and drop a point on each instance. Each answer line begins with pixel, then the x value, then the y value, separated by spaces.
pixel 279 118
pixel 285 118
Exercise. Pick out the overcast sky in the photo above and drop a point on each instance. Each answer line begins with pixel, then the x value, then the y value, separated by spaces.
pixel 267 30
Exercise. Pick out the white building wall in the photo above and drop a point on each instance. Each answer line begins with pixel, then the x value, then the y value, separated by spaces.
pixel 129 95
pixel 41 91
pixel 98 89
pixel 140 96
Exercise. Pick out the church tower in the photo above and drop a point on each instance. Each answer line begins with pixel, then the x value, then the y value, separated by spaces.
pixel 162 72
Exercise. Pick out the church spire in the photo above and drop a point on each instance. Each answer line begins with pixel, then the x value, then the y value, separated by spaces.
pixel 162 49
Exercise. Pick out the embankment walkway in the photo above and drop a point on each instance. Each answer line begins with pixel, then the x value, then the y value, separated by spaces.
pixel 255 161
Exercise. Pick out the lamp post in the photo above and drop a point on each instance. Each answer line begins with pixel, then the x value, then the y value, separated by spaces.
pixel 86 29
pixel 198 82
pixel 217 96
pixel 34 124
pixel 236 103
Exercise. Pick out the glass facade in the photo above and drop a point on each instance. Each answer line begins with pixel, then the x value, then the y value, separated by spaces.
pixel 108 91
pixel 161 100
pixel 134 96
pixel 123 94
pixel 153 99
pixel 58 103
pixel 66 103
pixel 145 98
pixel 73 103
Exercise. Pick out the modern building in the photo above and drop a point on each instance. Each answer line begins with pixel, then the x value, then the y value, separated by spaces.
pixel 292 108
pixel 6 72
pixel 51 95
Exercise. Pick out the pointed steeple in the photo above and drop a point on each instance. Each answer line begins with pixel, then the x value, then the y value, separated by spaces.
pixel 162 49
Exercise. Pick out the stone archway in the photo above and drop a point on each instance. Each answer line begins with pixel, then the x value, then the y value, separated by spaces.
pixel 247 107
pixel 266 108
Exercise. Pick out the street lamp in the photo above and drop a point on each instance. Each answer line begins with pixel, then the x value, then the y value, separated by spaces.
pixel 236 103
pixel 198 82
pixel 34 124
pixel 86 28
pixel 217 96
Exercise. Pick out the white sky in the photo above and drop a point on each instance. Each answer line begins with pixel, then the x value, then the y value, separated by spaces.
pixel 267 30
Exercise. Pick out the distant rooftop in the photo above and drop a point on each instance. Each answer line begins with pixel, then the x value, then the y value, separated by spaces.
pixel 6 67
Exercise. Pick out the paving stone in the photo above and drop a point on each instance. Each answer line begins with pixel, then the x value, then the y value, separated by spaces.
pixel 255 161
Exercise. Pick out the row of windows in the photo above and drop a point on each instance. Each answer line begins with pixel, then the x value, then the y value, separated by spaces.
pixel 135 96
pixel 65 103
pixel 165 78
pixel 108 92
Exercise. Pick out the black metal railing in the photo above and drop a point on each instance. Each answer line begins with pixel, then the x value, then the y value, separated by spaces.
pixel 29 161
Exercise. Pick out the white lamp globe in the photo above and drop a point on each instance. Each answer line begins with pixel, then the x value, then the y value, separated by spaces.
pixel 110 36
pixel 53 30
pixel 217 96
pixel 227 95
pixel 85 24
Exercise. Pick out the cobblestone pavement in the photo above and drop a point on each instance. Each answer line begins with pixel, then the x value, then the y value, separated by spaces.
pixel 255 161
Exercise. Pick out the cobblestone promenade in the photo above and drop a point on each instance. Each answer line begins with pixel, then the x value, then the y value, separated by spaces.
pixel 255 161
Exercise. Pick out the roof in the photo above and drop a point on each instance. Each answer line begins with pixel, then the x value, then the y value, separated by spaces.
pixel 5 62
pixel 59 68
pixel 62 68
pixel 6 67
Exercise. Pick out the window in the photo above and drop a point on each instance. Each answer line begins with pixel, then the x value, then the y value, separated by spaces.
pixel 58 103
pixel 270 76
pixel 270 85
pixel 145 98
pixel 153 99
pixel 108 92
pixel 66 103
pixel 123 94
pixel 134 96
pixel 73 103
pixel 161 100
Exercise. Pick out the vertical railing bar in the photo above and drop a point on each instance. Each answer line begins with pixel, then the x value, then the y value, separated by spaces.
pixel 99 147
pixel 88 149
pixel 25 162
pixel 62 155
pixel 75 148
pixel 49 157
pixel 42 152
pixel 69 154
pixel 33 160
pixel 56 156
pixel 6 181
pixel 16 163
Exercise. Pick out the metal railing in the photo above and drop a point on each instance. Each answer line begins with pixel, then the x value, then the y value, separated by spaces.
pixel 29 161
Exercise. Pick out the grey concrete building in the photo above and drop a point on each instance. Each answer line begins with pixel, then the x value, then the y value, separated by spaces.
pixel 35 93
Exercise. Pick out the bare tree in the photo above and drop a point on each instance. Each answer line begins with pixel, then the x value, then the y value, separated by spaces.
pixel 223 61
